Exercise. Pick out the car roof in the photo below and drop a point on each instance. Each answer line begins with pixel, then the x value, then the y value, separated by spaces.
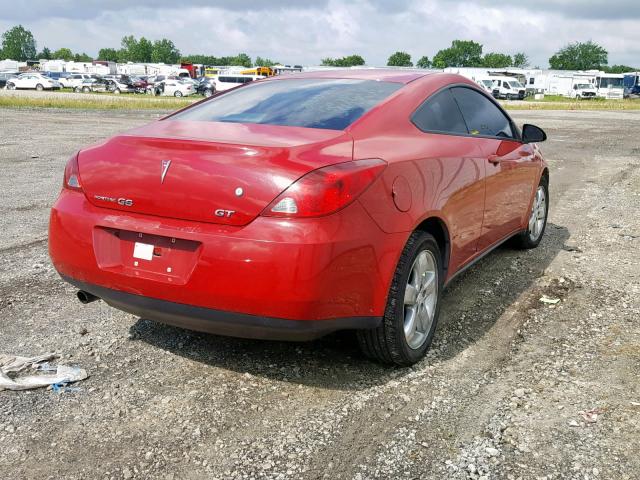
pixel 380 74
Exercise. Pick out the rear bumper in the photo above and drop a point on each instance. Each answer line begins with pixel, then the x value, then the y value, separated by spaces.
pixel 329 273
pixel 220 322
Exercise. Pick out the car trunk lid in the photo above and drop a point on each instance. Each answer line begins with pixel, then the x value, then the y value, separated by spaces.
pixel 213 172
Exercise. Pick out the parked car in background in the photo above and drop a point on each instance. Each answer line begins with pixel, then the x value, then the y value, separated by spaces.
pixel 174 87
pixel 57 75
pixel 139 84
pixel 94 85
pixel 74 80
pixel 508 88
pixel 225 82
pixel 206 87
pixel 292 207
pixel 121 84
pixel 582 91
pixel 32 81
pixel 4 76
pixel 151 80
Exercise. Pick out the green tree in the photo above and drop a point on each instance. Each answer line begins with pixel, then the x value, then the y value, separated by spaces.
pixel 63 54
pixel 348 61
pixel 134 50
pixel 619 69
pixel 264 62
pixel 520 60
pixel 579 56
pixel 143 51
pixel 108 54
pixel 461 53
pixel 129 45
pixel 82 57
pixel 164 51
pixel 241 60
pixel 497 60
pixel 400 59
pixel 18 44
pixel 45 54
pixel 424 62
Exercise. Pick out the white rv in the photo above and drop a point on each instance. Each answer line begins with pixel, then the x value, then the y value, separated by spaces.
pixel 610 85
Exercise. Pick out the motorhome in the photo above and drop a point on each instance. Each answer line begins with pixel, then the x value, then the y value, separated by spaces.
pixel 610 85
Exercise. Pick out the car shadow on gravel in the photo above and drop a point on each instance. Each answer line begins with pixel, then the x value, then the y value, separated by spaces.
pixel 471 305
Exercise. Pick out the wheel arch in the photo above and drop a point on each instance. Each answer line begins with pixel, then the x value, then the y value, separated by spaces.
pixel 438 228
pixel 545 175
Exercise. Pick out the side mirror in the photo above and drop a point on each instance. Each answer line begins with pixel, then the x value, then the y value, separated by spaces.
pixel 532 134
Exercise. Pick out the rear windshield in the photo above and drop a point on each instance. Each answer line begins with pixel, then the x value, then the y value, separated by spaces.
pixel 313 103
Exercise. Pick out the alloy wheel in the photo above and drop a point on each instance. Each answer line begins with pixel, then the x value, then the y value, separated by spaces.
pixel 538 214
pixel 420 299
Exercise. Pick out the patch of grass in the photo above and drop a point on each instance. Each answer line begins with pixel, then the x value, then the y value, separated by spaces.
pixel 114 102
pixel 558 102
pixel 567 104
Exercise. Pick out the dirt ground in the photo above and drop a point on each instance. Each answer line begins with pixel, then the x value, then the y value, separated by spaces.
pixel 512 388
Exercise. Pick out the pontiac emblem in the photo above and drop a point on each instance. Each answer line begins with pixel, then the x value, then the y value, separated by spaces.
pixel 165 169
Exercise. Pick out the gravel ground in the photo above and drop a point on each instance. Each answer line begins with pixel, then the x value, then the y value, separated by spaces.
pixel 512 388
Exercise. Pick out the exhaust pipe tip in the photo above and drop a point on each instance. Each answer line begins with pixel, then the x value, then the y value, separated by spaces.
pixel 86 297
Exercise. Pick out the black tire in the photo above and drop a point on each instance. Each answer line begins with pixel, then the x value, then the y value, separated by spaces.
pixel 86 89
pixel 387 343
pixel 208 92
pixel 10 86
pixel 523 240
pixel 177 93
pixel 39 87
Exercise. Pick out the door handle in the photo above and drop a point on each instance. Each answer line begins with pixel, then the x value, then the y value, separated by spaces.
pixel 493 159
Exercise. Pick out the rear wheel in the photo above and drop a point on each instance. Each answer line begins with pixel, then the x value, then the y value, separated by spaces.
pixel 117 91
pixel 413 305
pixel 39 87
pixel 177 93
pixel 10 86
pixel 86 89
pixel 537 223
pixel 208 92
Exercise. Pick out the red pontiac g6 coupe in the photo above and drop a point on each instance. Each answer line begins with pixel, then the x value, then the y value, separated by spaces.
pixel 296 206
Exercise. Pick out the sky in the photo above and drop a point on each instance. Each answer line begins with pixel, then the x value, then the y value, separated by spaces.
pixel 299 32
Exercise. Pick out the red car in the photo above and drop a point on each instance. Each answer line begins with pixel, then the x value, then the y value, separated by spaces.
pixel 300 205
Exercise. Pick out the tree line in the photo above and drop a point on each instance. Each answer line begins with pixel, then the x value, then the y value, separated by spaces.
pixel 19 44
pixel 467 53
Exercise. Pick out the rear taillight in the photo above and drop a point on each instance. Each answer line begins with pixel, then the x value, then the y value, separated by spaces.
pixel 72 175
pixel 326 190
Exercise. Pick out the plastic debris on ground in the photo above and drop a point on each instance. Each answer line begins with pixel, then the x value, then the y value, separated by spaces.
pixel 548 300
pixel 25 373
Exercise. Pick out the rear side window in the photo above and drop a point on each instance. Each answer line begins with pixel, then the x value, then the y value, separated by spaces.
pixel 440 113
pixel 481 115
pixel 313 103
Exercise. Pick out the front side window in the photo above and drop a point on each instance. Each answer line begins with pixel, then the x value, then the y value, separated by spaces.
pixel 440 114
pixel 313 103
pixel 482 116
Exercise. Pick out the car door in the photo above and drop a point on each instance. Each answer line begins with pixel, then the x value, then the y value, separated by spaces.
pixel 453 173
pixel 21 81
pixel 510 166
pixel 169 88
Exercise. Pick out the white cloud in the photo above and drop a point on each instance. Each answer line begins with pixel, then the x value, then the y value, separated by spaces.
pixel 295 32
